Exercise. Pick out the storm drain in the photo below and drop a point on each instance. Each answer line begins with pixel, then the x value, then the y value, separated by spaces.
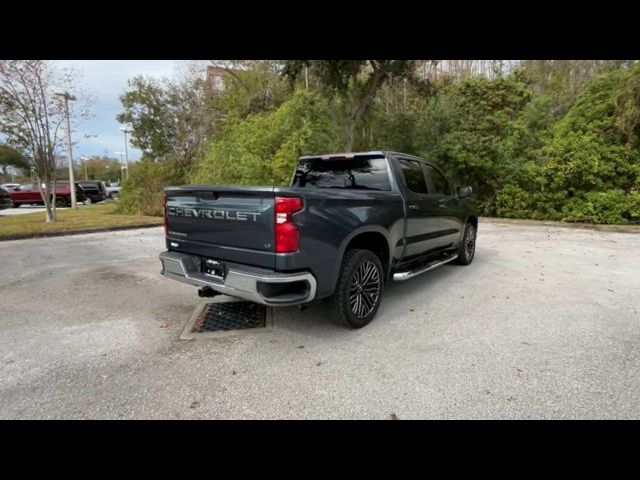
pixel 222 316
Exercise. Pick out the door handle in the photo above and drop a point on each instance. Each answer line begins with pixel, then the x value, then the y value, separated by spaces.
pixel 414 207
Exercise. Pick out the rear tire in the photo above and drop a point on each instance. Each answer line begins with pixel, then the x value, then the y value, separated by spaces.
pixel 61 202
pixel 467 247
pixel 88 201
pixel 358 292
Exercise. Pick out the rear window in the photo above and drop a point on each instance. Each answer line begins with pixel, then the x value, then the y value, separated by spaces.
pixel 357 173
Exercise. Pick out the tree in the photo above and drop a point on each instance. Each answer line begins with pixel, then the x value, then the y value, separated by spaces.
pixel 263 148
pixel 99 167
pixel 31 116
pixel 627 106
pixel 169 120
pixel 249 86
pixel 356 81
pixel 10 157
pixel 592 159
pixel 563 80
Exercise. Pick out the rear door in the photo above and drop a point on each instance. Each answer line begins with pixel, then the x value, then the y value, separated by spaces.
pixel 422 226
pixel 232 224
pixel 450 225
pixel 90 188
pixel 27 193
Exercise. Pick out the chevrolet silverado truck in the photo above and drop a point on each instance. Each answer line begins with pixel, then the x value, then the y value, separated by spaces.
pixel 347 226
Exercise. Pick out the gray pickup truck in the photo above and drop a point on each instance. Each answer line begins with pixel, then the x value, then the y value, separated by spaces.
pixel 347 225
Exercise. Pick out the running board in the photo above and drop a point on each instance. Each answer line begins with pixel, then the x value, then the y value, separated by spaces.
pixel 402 276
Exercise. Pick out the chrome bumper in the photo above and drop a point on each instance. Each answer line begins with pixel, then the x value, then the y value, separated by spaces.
pixel 240 281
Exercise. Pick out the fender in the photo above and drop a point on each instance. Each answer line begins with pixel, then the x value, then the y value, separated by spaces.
pixel 367 229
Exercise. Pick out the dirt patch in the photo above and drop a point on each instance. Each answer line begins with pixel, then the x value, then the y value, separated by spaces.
pixel 115 275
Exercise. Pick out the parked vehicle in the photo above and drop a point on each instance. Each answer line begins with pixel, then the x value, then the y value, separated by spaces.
pixel 29 194
pixel 5 198
pixel 95 191
pixel 348 224
pixel 113 189
pixel 9 186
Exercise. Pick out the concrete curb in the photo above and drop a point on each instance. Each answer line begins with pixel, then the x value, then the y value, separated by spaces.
pixel 550 223
pixel 76 232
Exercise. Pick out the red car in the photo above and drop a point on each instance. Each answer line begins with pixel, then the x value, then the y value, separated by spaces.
pixel 29 194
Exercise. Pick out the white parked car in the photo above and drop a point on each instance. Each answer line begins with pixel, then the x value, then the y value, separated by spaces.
pixel 113 189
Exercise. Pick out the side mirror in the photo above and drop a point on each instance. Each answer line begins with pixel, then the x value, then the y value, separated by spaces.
pixel 464 192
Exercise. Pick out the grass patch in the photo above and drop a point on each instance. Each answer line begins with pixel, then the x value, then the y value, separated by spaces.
pixel 96 216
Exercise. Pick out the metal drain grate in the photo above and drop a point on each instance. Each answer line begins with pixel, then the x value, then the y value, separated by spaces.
pixel 222 317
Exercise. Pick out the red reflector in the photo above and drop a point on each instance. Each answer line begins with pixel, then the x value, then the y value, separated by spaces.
pixel 287 236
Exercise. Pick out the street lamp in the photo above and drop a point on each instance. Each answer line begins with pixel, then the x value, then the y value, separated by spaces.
pixel 72 182
pixel 84 164
pixel 126 149
pixel 122 166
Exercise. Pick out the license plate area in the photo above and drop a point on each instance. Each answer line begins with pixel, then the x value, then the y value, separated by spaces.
pixel 214 268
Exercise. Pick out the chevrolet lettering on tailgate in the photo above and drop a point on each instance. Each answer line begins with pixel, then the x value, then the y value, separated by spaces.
pixel 212 214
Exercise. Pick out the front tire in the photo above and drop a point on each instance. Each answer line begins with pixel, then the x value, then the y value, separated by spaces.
pixel 88 201
pixel 358 292
pixel 467 247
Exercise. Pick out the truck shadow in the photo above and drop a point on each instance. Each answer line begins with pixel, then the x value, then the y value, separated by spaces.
pixel 398 299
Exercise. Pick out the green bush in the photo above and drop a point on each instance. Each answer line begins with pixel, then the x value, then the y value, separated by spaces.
pixel 141 193
pixel 513 202
pixel 263 149
pixel 613 206
pixel 530 145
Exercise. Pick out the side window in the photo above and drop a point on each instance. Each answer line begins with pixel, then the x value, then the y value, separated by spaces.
pixel 438 182
pixel 413 175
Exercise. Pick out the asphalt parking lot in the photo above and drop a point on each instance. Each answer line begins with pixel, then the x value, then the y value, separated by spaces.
pixel 544 324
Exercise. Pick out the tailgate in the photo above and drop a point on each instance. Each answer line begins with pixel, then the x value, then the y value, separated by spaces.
pixel 226 223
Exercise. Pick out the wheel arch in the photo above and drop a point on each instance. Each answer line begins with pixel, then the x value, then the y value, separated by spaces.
pixel 370 238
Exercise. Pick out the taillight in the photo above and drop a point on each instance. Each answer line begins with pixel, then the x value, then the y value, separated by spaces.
pixel 164 212
pixel 287 234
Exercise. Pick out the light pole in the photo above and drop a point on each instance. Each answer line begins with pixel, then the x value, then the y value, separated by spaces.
pixel 126 149
pixel 72 183
pixel 122 167
pixel 84 164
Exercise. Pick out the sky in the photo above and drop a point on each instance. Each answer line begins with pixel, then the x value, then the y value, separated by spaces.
pixel 105 81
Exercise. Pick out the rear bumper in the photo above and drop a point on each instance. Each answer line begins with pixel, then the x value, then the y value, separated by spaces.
pixel 254 284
